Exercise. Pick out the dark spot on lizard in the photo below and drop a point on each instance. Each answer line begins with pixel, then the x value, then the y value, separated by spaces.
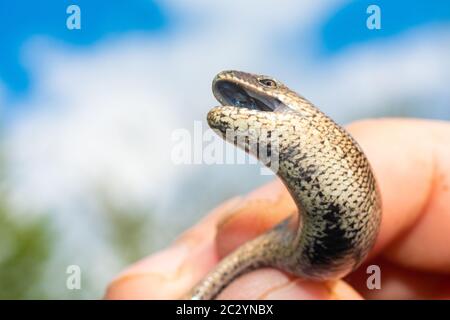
pixel 333 245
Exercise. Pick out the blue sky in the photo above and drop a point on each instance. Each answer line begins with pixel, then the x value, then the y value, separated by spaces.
pixel 345 26
pixel 25 19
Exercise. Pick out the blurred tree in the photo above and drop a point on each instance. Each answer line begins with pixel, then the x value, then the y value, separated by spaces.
pixel 25 245
pixel 129 228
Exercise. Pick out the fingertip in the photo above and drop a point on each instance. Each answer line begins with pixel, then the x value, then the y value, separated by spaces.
pixel 167 274
pixel 170 273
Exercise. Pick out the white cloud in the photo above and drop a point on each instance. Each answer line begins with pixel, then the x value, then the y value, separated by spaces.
pixel 96 120
pixel 412 68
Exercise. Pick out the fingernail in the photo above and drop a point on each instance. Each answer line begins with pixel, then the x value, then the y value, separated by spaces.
pixel 155 277
pixel 341 290
pixel 165 262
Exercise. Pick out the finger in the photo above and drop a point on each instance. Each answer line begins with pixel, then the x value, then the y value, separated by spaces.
pixel 397 282
pixel 170 273
pixel 271 284
pixel 411 159
pixel 404 155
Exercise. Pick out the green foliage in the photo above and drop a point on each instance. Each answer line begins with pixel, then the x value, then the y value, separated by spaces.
pixel 127 229
pixel 24 247
pixel 27 247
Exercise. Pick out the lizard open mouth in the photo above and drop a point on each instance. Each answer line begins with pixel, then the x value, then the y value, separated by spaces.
pixel 230 93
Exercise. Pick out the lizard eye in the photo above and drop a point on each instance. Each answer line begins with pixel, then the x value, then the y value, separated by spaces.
pixel 268 83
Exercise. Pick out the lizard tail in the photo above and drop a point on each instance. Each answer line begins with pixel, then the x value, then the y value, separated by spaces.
pixel 257 253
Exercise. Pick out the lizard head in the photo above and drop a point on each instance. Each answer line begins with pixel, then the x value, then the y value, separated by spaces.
pixel 255 110
pixel 249 91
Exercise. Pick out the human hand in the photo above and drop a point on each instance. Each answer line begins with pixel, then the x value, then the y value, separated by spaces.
pixel 411 161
